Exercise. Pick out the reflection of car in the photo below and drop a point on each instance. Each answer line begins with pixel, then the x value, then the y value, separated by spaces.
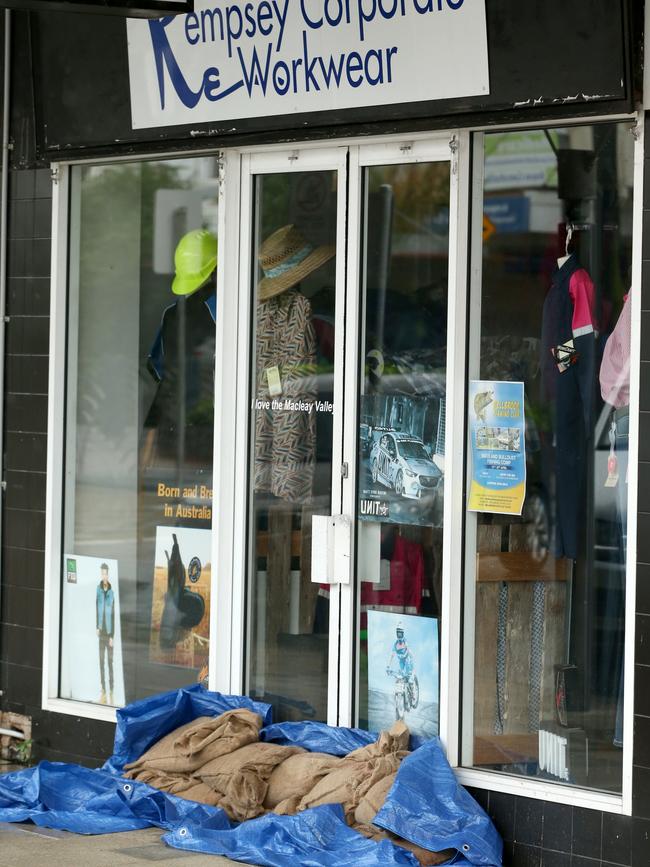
pixel 401 462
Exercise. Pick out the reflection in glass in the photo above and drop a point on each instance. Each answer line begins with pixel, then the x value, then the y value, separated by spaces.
pixel 548 641
pixel 402 443
pixel 139 428
pixel 291 449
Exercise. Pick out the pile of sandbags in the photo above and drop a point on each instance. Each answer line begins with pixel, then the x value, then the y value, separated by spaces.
pixel 220 761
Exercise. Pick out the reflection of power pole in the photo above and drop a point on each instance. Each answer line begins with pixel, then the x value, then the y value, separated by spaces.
pixel 385 208
pixel 182 390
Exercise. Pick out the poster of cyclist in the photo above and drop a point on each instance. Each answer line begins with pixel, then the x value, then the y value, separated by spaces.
pixel 403 679
pixel 401 459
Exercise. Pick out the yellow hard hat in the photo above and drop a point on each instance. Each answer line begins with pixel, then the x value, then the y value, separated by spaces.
pixel 195 259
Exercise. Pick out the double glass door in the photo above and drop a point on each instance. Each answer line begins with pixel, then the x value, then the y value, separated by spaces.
pixel 345 279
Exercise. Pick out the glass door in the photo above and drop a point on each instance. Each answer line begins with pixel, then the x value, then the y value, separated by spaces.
pixel 396 433
pixel 345 276
pixel 295 247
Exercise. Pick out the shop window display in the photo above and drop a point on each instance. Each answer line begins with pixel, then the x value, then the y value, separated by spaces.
pixel 546 583
pixel 139 428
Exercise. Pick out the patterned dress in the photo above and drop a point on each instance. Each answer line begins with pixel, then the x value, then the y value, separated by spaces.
pixel 285 434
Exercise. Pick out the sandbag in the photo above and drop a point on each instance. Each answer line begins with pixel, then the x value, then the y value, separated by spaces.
pixel 192 745
pixel 373 800
pixel 241 777
pixel 393 741
pixel 424 857
pixel 297 775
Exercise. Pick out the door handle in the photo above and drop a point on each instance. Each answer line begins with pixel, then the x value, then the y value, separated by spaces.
pixel 331 549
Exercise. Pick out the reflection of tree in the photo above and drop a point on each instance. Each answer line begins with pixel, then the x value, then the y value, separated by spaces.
pixel 419 191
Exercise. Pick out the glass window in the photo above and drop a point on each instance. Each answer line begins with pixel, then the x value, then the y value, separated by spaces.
pixel 545 588
pixel 136 571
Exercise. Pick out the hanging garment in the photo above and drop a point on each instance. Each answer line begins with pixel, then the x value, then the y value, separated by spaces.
pixel 569 369
pixel 182 362
pixel 407 582
pixel 285 432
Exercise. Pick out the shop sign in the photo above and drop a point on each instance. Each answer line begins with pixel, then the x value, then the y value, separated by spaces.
pixel 237 59
pixel 126 8
pixel 497 429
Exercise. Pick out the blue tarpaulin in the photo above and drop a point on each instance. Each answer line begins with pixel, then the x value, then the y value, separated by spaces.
pixel 425 805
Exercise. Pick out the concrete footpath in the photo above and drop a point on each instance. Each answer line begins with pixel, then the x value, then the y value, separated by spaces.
pixel 30 846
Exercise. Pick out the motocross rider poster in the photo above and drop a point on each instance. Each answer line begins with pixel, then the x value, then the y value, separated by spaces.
pixel 180 611
pixel 497 430
pixel 401 459
pixel 91 638
pixel 403 676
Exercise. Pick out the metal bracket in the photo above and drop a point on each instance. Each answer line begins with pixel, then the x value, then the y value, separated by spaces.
pixel 453 147
pixel 293 156
pixel 54 174
pixel 406 148
pixel 636 131
pixel 221 168
pixel 344 470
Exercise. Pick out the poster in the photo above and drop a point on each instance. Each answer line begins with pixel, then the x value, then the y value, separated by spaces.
pixel 401 459
pixel 91 645
pixel 180 610
pixel 403 677
pixel 497 430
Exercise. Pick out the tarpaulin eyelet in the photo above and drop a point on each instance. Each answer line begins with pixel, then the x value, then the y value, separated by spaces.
pixel 183 832
pixel 127 787
pixel 465 847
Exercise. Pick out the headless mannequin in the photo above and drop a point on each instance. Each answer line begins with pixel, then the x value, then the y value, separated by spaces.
pixel 567 255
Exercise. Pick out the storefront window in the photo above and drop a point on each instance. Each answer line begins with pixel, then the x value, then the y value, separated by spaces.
pixel 548 439
pixel 401 444
pixel 136 546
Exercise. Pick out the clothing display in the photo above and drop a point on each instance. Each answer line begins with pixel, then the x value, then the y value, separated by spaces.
pixel 181 360
pixel 105 611
pixel 285 427
pixel 569 331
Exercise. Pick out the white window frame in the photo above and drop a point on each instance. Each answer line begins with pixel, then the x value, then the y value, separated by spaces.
pixel 231 389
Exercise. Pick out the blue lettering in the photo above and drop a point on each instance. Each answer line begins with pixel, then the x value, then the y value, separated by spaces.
pixel 248 14
pixel 455 4
pixel 282 18
pixel 334 19
pixel 211 83
pixel 233 12
pixel 210 15
pixel 309 67
pixel 365 16
pixel 164 57
pixel 255 75
pixel 332 72
pixel 281 78
pixel 264 13
pixel 191 23
pixel 354 64
pixel 308 21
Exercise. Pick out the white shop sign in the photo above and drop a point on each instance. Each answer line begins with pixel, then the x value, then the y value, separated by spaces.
pixel 231 59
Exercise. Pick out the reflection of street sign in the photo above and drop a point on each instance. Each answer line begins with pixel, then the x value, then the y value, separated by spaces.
pixel 488 228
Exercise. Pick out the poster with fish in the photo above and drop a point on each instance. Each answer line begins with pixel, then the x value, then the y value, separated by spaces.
pixel 497 429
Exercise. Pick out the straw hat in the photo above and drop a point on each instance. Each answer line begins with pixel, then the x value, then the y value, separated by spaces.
pixel 286 257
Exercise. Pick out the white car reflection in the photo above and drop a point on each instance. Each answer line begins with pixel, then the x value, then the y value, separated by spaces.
pixel 400 461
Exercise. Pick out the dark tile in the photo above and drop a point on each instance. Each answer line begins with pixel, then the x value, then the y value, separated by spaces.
pixel 17 258
pixel 643 588
pixel 558 827
pixel 587 832
pixel 644 432
pixel 28 335
pixel 24 684
pixel 38 258
pixel 502 813
pixel 24 528
pixel 526 856
pixel 21 219
pixel 23 567
pixel 529 815
pixel 22 645
pixel 641 792
pixel 643 537
pixel 26 413
pixel 642 689
pixel 26 451
pixel 642 646
pixel 508 854
pixel 640 842
pixel 555 859
pixel 617 838
pixel 644 487
pixel 28 297
pixel 25 490
pixel 641 743
pixel 645 277
pixel 22 606
pixel 645 243
pixel 645 336
pixel 43 184
pixel 579 861
pixel 22 184
pixel 42 218
pixel 644 393
pixel 27 374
